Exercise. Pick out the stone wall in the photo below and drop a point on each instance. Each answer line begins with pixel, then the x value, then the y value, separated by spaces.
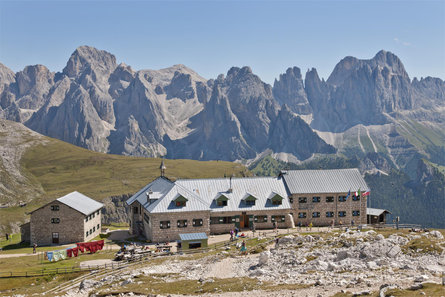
pixel 154 233
pixel 25 231
pixel 323 206
pixel 70 227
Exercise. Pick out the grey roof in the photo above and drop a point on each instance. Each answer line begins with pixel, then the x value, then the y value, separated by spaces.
pixel 324 181
pixel 376 211
pixel 202 194
pixel 259 187
pixel 80 202
pixel 159 187
pixel 193 236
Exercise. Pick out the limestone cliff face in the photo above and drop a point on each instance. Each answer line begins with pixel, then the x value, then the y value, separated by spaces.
pixel 289 90
pixel 360 92
pixel 104 106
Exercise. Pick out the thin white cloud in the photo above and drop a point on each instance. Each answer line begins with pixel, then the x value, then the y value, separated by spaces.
pixel 402 42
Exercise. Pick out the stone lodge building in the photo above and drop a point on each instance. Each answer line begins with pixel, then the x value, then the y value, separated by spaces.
pixel 163 209
pixel 68 219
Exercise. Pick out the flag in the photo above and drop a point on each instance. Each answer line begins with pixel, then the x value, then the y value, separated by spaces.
pixel 357 194
pixel 366 193
pixel 349 194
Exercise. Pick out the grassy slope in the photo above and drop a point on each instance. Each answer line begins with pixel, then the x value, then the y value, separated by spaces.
pixel 61 168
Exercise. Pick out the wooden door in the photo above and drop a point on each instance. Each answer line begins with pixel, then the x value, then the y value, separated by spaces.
pixel 55 237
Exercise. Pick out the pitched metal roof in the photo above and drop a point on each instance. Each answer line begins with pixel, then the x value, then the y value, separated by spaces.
pixel 324 181
pixel 159 187
pixel 259 187
pixel 193 236
pixel 376 211
pixel 80 202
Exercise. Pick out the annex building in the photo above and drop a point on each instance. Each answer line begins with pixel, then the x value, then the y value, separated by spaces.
pixel 163 209
pixel 68 219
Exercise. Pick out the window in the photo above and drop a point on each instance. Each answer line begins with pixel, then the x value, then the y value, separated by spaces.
pixel 55 220
pixel 302 200
pixel 97 212
pixel 146 218
pixel 91 231
pixel 180 201
pixel 222 202
pixel 315 214
pixel 301 215
pixel 250 202
pixel 278 218
pixel 98 226
pixel 329 214
pixel 316 199
pixel 342 213
pixel 260 219
pixel 329 199
pixel 182 223
pixel 277 200
pixel 222 220
pixel 291 200
pixel 86 234
pixel 356 198
pixel 356 213
pixel 94 214
pixel 135 209
pixel 341 198
pixel 197 222
pixel 165 224
pixel 86 219
pixel 54 207
pixel 89 217
pixel 94 229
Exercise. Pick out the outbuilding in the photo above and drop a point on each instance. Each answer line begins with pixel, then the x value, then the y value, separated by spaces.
pixel 193 240
pixel 376 215
pixel 68 219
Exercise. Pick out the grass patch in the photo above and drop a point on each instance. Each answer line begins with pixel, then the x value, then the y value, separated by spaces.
pixel 423 245
pixel 34 285
pixel 58 168
pixel 311 258
pixel 431 290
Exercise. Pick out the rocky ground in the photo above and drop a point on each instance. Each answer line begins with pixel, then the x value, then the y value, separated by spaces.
pixel 316 265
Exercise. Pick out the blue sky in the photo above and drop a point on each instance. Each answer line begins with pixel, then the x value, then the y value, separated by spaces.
pixel 212 36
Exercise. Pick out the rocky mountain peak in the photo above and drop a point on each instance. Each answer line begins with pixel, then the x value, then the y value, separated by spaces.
pixel 87 57
pixel 289 89
pixel 36 76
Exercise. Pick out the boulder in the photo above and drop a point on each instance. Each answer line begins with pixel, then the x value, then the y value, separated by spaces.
pixel 436 234
pixel 421 278
pixel 264 258
pixel 394 251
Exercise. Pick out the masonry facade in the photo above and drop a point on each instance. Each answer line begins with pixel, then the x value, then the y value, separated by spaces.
pixel 69 219
pixel 164 209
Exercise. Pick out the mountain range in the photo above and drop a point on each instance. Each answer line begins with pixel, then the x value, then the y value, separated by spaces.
pixel 108 107
pixel 369 110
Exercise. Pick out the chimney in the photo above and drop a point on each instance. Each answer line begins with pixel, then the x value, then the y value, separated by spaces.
pixel 230 187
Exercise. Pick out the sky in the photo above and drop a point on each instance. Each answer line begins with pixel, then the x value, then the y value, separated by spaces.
pixel 212 36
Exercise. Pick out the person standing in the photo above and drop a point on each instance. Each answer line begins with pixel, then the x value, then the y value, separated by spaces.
pixel 34 248
pixel 231 234
pixel 7 236
pixel 243 247
pixel 310 226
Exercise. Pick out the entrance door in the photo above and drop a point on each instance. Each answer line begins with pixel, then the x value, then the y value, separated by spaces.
pixel 55 237
pixel 244 220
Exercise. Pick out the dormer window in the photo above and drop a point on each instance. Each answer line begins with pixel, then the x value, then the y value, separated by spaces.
pixel 222 200
pixel 276 199
pixel 250 200
pixel 181 201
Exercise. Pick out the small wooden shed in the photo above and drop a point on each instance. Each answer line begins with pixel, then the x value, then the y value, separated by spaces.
pixel 377 216
pixel 193 240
